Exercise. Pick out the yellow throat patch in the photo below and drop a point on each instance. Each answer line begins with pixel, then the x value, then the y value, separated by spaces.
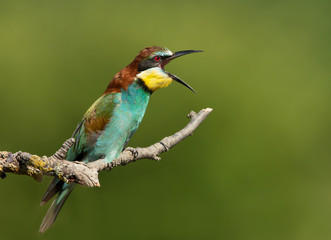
pixel 155 78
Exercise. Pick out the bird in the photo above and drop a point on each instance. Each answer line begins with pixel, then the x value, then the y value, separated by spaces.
pixel 113 118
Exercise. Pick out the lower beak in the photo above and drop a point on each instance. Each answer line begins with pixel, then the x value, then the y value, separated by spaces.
pixel 177 79
pixel 176 55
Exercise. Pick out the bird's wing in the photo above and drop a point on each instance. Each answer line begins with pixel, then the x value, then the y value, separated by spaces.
pixel 85 135
pixel 92 126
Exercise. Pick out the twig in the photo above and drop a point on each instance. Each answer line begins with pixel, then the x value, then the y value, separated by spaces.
pixel 87 174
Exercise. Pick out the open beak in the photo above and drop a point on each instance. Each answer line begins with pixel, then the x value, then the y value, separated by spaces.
pixel 176 55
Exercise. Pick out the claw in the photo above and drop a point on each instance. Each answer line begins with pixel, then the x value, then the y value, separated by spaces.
pixel 133 151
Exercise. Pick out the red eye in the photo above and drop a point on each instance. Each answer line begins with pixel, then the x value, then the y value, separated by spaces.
pixel 157 58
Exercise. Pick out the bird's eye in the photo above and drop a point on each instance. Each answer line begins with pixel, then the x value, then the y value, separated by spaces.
pixel 157 58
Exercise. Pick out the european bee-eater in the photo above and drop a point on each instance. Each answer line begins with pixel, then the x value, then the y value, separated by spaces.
pixel 114 117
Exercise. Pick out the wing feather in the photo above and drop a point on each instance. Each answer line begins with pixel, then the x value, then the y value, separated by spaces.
pixel 85 135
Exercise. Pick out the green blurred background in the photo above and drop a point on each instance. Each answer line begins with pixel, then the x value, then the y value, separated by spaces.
pixel 257 168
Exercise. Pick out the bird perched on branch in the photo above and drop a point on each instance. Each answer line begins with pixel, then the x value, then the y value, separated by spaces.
pixel 114 117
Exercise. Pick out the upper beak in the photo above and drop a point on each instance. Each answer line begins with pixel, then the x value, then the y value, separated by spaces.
pixel 182 53
pixel 176 55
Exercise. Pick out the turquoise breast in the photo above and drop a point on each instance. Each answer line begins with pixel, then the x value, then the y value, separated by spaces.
pixel 127 115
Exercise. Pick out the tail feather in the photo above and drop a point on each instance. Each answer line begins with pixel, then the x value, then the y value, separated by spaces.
pixel 55 208
pixel 54 188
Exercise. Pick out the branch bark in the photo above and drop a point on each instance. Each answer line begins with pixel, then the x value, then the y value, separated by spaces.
pixel 23 163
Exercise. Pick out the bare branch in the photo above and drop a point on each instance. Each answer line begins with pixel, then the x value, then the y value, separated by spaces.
pixel 23 163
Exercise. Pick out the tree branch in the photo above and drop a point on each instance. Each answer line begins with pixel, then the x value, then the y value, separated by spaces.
pixel 23 163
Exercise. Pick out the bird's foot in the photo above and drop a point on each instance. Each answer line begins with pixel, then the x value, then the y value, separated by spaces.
pixel 133 151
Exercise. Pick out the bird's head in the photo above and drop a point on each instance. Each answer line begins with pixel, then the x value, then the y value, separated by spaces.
pixel 148 67
pixel 151 62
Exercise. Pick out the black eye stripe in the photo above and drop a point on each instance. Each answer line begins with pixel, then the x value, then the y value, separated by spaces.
pixel 152 61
